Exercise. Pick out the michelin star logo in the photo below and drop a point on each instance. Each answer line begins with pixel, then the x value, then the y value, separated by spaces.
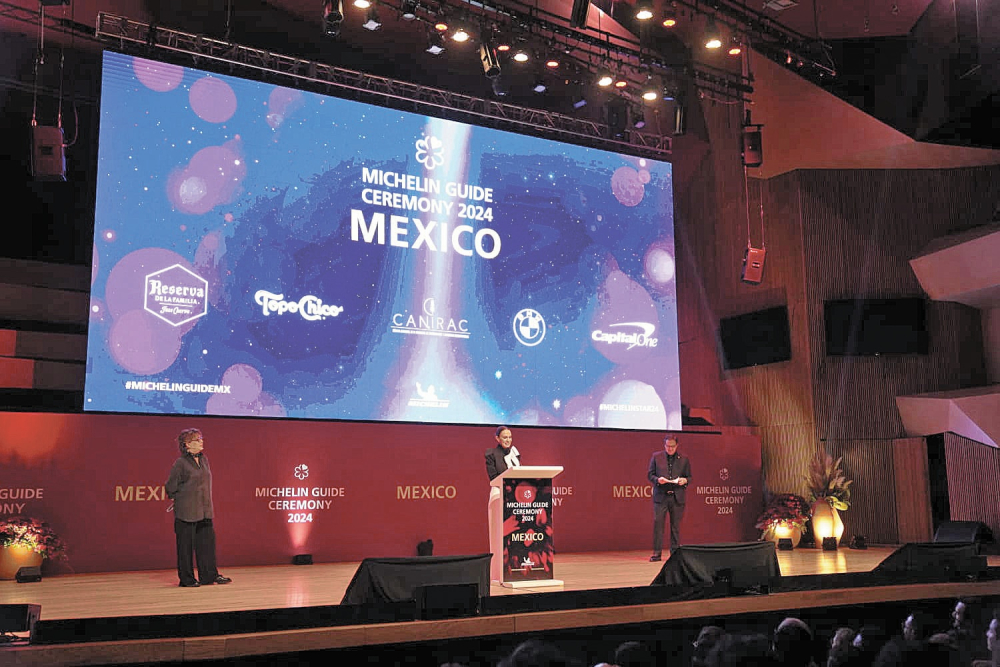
pixel 429 152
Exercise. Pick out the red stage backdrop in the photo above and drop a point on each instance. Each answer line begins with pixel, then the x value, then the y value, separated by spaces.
pixel 347 491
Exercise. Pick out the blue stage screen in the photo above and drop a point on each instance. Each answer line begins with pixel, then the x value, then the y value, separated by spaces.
pixel 266 251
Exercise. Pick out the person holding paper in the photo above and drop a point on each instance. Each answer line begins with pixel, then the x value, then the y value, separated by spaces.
pixel 669 473
pixel 498 460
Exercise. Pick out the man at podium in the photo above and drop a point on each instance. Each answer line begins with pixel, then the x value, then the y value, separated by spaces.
pixel 498 460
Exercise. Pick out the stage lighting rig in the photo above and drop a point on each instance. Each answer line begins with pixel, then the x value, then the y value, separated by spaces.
pixel 333 16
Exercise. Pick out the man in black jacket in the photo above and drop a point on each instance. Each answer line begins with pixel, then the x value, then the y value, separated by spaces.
pixel 669 473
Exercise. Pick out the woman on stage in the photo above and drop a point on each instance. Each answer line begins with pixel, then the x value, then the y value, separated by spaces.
pixel 499 459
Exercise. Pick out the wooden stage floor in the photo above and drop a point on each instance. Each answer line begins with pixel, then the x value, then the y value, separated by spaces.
pixel 152 593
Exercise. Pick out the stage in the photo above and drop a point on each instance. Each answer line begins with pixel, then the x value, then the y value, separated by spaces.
pixel 300 588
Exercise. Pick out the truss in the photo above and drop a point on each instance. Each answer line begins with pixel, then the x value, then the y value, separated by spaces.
pixel 149 40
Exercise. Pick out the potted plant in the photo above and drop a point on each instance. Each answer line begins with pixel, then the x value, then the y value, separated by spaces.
pixel 784 516
pixel 24 542
pixel 830 493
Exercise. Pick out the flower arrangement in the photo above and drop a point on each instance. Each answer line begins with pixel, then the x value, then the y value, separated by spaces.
pixel 28 533
pixel 785 508
pixel 827 482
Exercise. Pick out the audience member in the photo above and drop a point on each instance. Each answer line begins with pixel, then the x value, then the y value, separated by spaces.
pixel 633 654
pixel 793 643
pixel 842 649
pixel 742 651
pixel 536 653
pixel 918 626
pixel 709 636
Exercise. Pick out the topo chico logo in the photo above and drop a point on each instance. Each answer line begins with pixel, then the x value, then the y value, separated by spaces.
pixel 641 338
pixel 310 307
pixel 176 295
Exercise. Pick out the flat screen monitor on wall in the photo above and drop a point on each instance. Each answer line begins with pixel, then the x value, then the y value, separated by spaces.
pixel 266 251
pixel 753 339
pixel 869 327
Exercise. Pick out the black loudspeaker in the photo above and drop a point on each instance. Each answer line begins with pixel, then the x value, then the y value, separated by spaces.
pixel 742 566
pixel 383 580
pixel 785 544
pixel 447 601
pixel 964 531
pixel 27 575
pixel 753 265
pixel 48 158
pixel 18 617
pixel 302 559
pixel 578 15
pixel 753 153
pixel 941 561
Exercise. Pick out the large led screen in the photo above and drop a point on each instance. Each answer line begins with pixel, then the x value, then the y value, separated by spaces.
pixel 265 251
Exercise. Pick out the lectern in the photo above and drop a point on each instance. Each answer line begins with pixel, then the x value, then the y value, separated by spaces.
pixel 523 521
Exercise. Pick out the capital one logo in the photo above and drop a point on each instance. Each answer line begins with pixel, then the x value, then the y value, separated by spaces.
pixel 634 334
pixel 430 152
pixel 176 295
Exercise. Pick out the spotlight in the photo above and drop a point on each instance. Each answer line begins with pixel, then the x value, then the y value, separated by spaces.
pixel 829 544
pixel 539 86
pixel 302 559
pixel 333 16
pixel 620 81
pixel 785 544
pixel 713 38
pixel 605 78
pixel 409 9
pixel 441 25
pixel 460 34
pixel 503 46
pixel 521 56
pixel 362 4
pixel 735 48
pixel 638 119
pixel 488 57
pixel 669 17
pixel 552 63
pixel 371 20
pixel 499 89
pixel 644 10
pixel 436 45
pixel 651 91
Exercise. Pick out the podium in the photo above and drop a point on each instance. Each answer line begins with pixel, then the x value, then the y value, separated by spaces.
pixel 521 527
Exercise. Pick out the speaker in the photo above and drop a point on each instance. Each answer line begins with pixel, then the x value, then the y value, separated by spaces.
pixel 18 617
pixel 302 559
pixel 48 159
pixel 964 531
pixel 447 601
pixel 941 561
pixel 578 15
pixel 742 566
pixel 386 580
pixel 28 574
pixel 753 152
pixel 617 118
pixel 753 265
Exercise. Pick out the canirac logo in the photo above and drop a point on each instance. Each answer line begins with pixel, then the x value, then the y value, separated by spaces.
pixel 176 295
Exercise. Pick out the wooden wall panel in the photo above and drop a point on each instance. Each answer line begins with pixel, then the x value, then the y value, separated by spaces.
pixel 973 481
pixel 874 511
pixel 913 496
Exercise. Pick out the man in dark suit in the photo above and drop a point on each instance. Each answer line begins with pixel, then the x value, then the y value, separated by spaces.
pixel 669 472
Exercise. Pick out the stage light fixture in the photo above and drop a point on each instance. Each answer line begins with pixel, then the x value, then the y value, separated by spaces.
pixel 521 56
pixel 620 81
pixel 829 544
pixel 552 63
pixel 436 44
pixel 408 9
pixel 372 21
pixel 638 119
pixel 333 16
pixel 735 48
pixel 503 46
pixel 652 90
pixel 499 88
pixel 644 10
pixel 713 38
pixel 362 4
pixel 302 559
pixel 858 542
pixel 539 86
pixel 785 544
pixel 460 34
pixel 441 25
pixel 491 62
pixel 605 78
pixel 669 17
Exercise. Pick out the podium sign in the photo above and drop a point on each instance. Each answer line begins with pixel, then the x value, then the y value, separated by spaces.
pixel 528 545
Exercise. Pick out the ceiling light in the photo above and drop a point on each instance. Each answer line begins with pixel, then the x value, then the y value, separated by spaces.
pixel 644 10
pixel 539 86
pixel 371 20
pixel 652 90
pixel 503 46
pixel 620 81
pixel 409 9
pixel 362 4
pixel 605 78
pixel 669 17
pixel 460 34
pixel 441 25
pixel 735 48
pixel 436 46
pixel 552 63
pixel 333 16
pixel 638 119
pixel 713 39
pixel 521 56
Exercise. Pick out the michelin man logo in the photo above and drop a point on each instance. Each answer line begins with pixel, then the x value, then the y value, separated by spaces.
pixel 430 152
